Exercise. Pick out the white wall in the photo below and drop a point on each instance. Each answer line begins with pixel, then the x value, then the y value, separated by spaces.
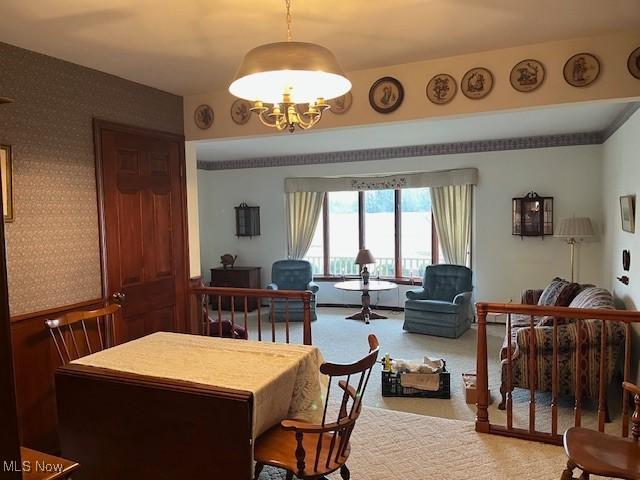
pixel 193 222
pixel 503 264
pixel 621 176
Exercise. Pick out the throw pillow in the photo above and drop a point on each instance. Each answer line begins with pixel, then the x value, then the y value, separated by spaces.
pixel 567 294
pixel 551 293
pixel 562 294
pixel 593 297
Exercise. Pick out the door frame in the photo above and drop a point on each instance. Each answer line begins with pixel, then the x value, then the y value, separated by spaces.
pixel 9 425
pixel 98 126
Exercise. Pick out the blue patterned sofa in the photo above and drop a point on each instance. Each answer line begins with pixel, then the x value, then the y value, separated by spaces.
pixel 292 275
pixel 564 294
pixel 442 307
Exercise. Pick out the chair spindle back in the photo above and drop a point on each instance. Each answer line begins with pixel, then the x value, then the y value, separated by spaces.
pixel 72 338
pixel 332 447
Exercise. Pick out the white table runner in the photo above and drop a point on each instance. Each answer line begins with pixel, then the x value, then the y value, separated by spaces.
pixel 284 379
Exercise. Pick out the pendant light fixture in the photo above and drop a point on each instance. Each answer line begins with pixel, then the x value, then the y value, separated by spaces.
pixel 289 82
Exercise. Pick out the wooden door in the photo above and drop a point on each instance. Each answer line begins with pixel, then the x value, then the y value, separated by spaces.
pixel 143 202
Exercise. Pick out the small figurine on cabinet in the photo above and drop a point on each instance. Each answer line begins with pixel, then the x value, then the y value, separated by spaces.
pixel 227 260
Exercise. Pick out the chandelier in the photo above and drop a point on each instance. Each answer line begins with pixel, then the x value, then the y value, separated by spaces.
pixel 289 82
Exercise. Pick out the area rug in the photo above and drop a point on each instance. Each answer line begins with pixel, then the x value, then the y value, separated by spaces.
pixel 390 445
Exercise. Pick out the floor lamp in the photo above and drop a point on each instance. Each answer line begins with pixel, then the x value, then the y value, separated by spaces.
pixel 573 230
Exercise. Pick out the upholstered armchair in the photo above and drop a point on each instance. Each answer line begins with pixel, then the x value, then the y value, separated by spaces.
pixel 292 275
pixel 442 307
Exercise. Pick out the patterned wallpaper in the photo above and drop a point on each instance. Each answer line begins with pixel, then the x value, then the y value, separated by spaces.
pixel 52 246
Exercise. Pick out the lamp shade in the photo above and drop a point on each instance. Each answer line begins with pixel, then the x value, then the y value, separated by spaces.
pixel 364 257
pixel 304 70
pixel 574 227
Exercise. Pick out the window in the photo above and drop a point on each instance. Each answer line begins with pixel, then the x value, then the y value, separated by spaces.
pixel 379 230
pixel 419 244
pixel 396 225
pixel 343 232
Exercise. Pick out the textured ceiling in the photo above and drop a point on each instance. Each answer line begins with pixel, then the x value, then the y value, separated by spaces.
pixel 194 46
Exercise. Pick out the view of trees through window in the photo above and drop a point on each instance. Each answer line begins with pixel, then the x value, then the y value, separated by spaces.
pixel 343 223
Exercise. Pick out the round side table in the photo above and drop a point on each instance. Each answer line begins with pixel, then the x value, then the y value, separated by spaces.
pixel 365 312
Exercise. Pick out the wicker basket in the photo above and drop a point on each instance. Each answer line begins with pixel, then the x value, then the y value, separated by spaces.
pixel 391 387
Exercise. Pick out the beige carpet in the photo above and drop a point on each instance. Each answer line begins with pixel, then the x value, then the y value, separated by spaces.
pixel 342 340
pixel 390 445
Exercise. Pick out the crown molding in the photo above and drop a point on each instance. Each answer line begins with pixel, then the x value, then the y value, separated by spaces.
pixel 620 120
pixel 519 143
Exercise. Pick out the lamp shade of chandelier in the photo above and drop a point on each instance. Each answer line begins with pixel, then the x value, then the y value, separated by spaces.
pixel 289 82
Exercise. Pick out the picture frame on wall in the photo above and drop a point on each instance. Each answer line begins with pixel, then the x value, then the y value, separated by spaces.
pixel 527 75
pixel 386 95
pixel 241 111
pixel 627 213
pixel 477 83
pixel 203 116
pixel 6 177
pixel 342 104
pixel 581 70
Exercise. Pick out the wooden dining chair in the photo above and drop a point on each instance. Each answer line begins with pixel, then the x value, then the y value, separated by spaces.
pixel 311 451
pixel 597 453
pixel 74 336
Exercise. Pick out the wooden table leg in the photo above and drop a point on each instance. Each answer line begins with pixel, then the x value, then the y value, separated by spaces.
pixel 365 312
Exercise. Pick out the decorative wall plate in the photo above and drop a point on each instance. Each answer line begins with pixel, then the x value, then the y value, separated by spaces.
pixel 341 104
pixel 477 83
pixel 240 111
pixel 527 75
pixel 441 89
pixel 581 70
pixel 386 95
pixel 633 63
pixel 203 116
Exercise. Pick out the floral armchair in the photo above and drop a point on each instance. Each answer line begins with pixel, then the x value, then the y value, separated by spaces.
pixel 589 350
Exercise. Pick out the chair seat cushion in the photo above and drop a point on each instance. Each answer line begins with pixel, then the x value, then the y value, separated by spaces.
pixel 277 447
pixel 437 306
pixel 602 454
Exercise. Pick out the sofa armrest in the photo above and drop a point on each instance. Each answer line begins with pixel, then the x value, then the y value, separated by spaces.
pixel 272 286
pixel 462 298
pixel 415 294
pixel 313 287
pixel 531 296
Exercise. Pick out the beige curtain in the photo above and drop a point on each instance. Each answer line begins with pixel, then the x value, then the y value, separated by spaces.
pixel 303 211
pixel 451 207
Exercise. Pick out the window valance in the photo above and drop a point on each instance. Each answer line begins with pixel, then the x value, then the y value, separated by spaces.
pixel 442 178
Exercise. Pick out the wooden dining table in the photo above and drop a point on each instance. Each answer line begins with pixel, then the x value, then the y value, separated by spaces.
pixel 181 406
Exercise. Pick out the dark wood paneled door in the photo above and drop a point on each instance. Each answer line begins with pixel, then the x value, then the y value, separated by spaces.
pixel 143 201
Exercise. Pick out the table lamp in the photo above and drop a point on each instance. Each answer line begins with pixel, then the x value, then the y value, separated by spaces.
pixel 364 258
pixel 573 230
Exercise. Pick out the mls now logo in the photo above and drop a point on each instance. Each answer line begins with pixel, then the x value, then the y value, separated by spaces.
pixel 27 466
